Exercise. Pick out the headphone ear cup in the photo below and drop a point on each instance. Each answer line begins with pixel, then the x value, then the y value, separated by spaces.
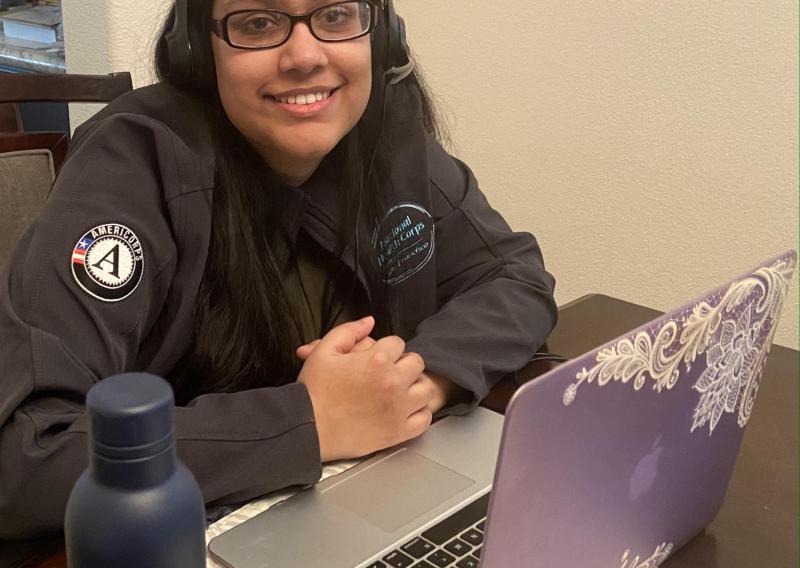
pixel 399 48
pixel 398 63
pixel 179 45
pixel 395 34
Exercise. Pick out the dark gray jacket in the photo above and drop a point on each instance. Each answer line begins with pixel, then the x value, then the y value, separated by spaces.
pixel 475 302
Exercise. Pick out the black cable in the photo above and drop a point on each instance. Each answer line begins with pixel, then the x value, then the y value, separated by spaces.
pixel 364 187
pixel 545 356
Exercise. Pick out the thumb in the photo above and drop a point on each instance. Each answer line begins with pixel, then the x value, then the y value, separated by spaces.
pixel 342 338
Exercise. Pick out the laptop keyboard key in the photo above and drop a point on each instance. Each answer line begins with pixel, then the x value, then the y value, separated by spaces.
pixel 473 537
pixel 397 559
pixel 377 564
pixel 477 551
pixel 468 562
pixel 458 522
pixel 457 547
pixel 440 558
pixel 418 547
pixel 482 526
pixel 424 564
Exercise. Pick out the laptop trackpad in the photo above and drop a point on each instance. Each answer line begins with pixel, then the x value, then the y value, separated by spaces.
pixel 397 490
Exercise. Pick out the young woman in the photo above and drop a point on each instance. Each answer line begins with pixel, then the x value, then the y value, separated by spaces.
pixel 275 229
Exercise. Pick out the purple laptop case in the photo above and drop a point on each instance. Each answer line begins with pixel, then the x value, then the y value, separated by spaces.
pixel 620 456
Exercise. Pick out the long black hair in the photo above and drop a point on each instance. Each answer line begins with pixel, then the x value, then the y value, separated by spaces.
pixel 246 325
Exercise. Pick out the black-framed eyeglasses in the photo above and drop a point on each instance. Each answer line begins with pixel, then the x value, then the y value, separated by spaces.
pixel 265 29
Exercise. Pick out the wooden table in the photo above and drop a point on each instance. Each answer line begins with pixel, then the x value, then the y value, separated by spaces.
pixel 758 523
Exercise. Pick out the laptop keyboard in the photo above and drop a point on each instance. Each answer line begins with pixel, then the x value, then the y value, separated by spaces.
pixel 456 542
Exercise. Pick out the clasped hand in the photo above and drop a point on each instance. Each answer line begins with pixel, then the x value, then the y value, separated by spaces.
pixel 367 395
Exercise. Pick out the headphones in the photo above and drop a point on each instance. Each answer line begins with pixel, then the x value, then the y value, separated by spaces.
pixel 398 62
pixel 179 45
pixel 397 55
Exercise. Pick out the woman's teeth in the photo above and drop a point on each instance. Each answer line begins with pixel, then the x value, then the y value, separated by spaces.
pixel 308 99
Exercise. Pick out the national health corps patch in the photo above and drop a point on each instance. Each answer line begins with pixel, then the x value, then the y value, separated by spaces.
pixel 108 261
pixel 404 242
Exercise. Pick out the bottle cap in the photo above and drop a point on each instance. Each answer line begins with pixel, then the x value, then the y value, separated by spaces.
pixel 130 416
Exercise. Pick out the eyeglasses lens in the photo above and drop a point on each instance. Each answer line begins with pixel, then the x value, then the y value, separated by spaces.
pixel 265 28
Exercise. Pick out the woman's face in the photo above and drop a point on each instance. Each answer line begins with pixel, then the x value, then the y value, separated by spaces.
pixel 255 87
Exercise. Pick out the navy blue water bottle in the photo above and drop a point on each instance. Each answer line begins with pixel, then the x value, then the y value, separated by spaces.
pixel 135 505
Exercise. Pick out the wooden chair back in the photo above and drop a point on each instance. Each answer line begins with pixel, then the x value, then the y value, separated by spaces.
pixel 53 87
pixel 29 161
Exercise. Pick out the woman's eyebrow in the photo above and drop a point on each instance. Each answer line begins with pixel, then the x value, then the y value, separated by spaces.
pixel 261 3
pixel 273 4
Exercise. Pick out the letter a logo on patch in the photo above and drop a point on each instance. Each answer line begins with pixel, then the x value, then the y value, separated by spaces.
pixel 108 262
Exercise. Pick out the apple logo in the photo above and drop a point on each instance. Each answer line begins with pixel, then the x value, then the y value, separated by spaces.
pixel 645 472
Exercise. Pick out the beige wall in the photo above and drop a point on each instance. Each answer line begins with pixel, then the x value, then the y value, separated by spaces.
pixel 101 36
pixel 652 146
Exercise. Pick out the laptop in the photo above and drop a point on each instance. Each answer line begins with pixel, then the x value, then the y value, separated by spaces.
pixel 616 458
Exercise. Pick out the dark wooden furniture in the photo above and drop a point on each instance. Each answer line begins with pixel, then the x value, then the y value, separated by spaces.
pixel 52 87
pixel 26 178
pixel 56 142
pixel 10 120
pixel 41 87
pixel 758 524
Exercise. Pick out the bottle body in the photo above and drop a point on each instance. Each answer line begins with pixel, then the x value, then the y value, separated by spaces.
pixel 158 526
pixel 135 505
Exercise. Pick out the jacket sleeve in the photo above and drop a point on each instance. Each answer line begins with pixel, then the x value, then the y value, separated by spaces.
pixel 495 299
pixel 56 341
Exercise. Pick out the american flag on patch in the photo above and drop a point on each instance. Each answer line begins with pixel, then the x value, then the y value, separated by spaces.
pixel 79 254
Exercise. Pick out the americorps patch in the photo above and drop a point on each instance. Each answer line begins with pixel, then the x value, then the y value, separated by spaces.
pixel 404 242
pixel 108 262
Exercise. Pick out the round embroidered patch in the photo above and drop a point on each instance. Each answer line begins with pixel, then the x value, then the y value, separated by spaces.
pixel 108 262
pixel 404 242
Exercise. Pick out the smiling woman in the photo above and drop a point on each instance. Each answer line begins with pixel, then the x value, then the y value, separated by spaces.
pixel 312 272
pixel 333 68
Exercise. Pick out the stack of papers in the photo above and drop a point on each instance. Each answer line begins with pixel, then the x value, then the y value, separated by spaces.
pixel 40 24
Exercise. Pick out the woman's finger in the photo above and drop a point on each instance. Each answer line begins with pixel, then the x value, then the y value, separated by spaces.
pixel 342 338
pixel 363 345
pixel 420 394
pixel 392 346
pixel 304 351
pixel 411 366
